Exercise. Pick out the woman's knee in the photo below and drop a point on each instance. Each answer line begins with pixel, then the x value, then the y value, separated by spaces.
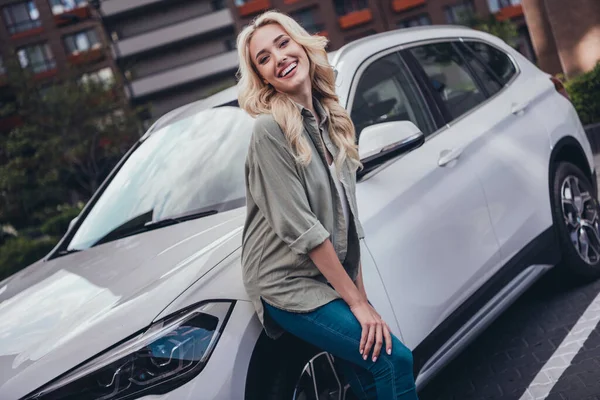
pixel 401 358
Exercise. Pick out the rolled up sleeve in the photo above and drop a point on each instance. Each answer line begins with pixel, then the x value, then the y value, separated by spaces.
pixel 277 190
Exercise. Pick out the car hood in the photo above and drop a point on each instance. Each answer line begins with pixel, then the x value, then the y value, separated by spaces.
pixel 57 314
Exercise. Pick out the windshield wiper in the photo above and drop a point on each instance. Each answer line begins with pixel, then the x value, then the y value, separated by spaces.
pixel 144 223
pixel 67 251
pixel 181 218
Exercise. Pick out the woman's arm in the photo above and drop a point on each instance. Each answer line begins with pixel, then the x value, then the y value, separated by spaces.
pixel 327 262
pixel 374 330
pixel 360 283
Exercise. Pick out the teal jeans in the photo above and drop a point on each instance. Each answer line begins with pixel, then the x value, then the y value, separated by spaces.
pixel 333 328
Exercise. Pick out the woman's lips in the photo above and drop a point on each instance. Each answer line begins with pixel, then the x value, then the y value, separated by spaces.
pixel 291 73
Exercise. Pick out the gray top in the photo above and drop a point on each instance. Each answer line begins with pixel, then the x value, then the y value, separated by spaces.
pixel 291 209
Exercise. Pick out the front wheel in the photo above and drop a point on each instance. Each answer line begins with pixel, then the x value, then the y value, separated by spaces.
pixel 576 216
pixel 295 370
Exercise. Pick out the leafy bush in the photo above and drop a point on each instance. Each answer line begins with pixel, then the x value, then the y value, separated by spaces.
pixel 584 91
pixel 19 252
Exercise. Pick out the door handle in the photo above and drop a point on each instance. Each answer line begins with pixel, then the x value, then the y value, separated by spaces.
pixel 447 156
pixel 519 108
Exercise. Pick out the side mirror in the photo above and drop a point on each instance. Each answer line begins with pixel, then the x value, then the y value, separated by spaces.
pixel 382 142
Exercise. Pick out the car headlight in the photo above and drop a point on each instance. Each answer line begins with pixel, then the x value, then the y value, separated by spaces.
pixel 166 355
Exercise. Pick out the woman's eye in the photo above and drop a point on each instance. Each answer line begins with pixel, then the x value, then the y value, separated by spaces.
pixel 284 43
pixel 263 60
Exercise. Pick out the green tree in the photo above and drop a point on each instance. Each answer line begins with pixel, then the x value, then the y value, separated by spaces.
pixel 505 30
pixel 74 130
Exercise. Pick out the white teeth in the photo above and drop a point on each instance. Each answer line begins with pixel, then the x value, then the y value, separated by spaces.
pixel 288 69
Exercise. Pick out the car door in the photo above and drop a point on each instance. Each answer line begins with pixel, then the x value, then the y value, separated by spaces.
pixel 425 215
pixel 517 152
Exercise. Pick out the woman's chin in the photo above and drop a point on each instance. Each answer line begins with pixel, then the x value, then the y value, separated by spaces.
pixel 292 86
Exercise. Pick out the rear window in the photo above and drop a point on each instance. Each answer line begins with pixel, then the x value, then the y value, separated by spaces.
pixel 496 60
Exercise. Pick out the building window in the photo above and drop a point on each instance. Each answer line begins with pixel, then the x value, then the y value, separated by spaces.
pixel 61 6
pixel 307 20
pixel 81 42
pixel 104 77
pixel 456 14
pixel 2 67
pixel 420 20
pixel 497 5
pixel 218 4
pixel 343 7
pixel 37 57
pixel 21 17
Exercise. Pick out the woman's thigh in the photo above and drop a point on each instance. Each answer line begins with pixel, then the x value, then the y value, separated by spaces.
pixel 333 328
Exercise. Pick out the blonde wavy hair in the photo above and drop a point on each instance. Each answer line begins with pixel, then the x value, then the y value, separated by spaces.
pixel 255 97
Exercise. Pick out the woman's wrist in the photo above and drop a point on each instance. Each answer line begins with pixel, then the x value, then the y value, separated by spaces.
pixel 357 300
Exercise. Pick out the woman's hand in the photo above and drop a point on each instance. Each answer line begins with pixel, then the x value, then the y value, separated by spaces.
pixel 374 330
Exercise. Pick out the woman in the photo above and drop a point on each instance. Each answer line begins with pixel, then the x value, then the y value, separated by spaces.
pixel 301 253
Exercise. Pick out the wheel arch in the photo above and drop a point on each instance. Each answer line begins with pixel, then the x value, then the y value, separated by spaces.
pixel 568 149
pixel 265 356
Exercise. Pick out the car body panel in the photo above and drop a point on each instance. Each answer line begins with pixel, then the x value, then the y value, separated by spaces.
pixel 59 313
pixel 417 218
pixel 225 379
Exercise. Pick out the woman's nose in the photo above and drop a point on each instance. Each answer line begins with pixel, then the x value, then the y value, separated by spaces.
pixel 281 59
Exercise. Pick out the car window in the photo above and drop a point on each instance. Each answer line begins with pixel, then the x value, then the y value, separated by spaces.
pixel 484 74
pixel 496 60
pixel 386 92
pixel 449 77
pixel 193 165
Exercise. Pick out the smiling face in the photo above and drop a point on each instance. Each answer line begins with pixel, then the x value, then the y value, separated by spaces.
pixel 279 60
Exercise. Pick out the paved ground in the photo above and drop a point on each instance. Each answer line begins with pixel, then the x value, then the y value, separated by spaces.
pixel 547 345
pixel 532 350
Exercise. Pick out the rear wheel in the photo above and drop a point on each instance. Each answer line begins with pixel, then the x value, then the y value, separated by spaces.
pixel 576 216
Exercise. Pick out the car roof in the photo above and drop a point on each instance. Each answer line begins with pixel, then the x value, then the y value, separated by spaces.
pixel 352 54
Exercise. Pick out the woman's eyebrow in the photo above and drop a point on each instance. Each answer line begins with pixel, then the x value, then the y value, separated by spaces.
pixel 274 41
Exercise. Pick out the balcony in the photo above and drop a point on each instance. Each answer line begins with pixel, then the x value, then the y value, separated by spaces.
pixel 45 74
pixel 115 7
pixel 188 73
pixel 509 12
pixel 85 57
pixel 403 5
pixel 174 33
pixel 73 16
pixel 251 7
pixel 355 18
pixel 27 33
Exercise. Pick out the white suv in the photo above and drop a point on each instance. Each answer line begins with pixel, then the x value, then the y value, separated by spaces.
pixel 478 178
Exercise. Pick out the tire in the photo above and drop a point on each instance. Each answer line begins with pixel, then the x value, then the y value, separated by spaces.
pixel 286 369
pixel 576 217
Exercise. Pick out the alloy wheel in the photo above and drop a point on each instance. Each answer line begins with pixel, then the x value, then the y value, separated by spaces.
pixel 319 380
pixel 580 213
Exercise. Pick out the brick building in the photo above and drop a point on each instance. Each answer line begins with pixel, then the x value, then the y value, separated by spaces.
pixel 566 37
pixel 49 37
pixel 345 20
pixel 171 52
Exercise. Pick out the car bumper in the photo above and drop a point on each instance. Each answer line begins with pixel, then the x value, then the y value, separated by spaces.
pixel 224 377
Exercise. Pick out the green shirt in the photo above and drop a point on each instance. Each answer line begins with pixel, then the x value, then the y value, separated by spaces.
pixel 291 209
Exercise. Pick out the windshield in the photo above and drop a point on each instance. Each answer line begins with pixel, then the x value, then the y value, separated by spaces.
pixel 192 167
